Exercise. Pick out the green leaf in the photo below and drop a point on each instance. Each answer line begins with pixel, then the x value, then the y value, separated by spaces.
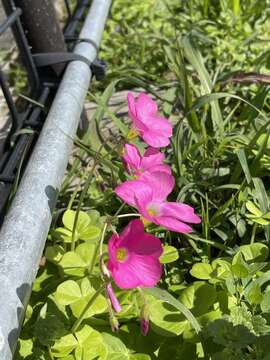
pixel 64 346
pixel 195 58
pixel 68 292
pixel 82 222
pixel 198 297
pixel 256 252
pixel 64 234
pixel 139 357
pixel 165 319
pixel 86 252
pixel 25 347
pixel 254 295
pixel 54 253
pixel 265 304
pixel 116 348
pixel 253 209
pixel 229 335
pixel 88 289
pixel 90 344
pixel 201 271
pixel 170 254
pixel 239 266
pixel 91 233
pixel 259 325
pixel 243 161
pixel 240 271
pixel 73 264
pixel 166 297
pixel 48 327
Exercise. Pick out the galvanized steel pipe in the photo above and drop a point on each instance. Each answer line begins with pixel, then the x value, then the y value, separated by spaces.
pixel 24 232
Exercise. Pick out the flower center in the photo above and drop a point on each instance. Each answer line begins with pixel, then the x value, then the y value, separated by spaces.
pixel 121 254
pixel 132 134
pixel 153 210
pixel 145 221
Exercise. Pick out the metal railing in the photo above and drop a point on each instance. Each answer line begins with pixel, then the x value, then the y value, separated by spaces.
pixel 26 225
pixel 41 88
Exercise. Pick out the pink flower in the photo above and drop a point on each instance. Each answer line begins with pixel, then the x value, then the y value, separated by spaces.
pixel 153 128
pixel 134 257
pixel 151 161
pixel 113 299
pixel 148 195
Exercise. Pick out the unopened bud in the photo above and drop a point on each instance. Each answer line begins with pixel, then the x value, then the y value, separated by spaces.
pixel 114 323
pixel 145 324
pixel 113 299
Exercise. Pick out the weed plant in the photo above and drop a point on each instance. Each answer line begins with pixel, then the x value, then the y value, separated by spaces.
pixel 206 62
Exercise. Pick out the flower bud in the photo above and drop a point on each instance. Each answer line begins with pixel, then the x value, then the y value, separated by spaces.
pixel 114 323
pixel 145 324
pixel 113 299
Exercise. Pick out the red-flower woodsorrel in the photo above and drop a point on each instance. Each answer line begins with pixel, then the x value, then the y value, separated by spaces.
pixel 153 128
pixel 151 161
pixel 149 194
pixel 134 257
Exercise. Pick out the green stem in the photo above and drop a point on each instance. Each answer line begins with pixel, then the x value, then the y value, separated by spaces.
pixel 119 210
pixel 50 353
pixel 253 233
pixel 94 259
pixel 82 196
pixel 86 308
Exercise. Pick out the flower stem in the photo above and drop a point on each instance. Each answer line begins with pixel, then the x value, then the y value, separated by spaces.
pixel 82 196
pixel 94 259
pixel 86 308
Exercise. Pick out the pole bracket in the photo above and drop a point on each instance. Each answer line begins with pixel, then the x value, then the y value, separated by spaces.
pixel 98 67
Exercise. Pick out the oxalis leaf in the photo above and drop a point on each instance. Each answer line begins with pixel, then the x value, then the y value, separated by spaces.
pixel 166 297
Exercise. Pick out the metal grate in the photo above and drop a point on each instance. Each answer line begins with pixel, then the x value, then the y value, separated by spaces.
pixel 26 123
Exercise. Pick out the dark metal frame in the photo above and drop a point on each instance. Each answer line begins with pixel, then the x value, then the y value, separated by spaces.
pixel 18 144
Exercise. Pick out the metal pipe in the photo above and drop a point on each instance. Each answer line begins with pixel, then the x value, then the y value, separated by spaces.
pixel 27 223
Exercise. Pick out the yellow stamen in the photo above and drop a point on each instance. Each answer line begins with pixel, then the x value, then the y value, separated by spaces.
pixel 145 221
pixel 121 254
pixel 153 210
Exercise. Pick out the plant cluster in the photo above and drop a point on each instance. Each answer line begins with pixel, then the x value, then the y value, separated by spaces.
pixel 94 296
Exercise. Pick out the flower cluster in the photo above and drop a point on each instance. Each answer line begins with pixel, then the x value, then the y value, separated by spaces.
pixel 134 254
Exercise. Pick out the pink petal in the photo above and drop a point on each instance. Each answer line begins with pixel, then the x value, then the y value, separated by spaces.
pixel 152 158
pixel 132 233
pixel 160 168
pixel 132 112
pixel 112 246
pixel 144 271
pixel 132 158
pixel 172 224
pixel 140 243
pixel 180 211
pixel 161 125
pixel 142 199
pixel 153 151
pixel 127 191
pixel 154 139
pixel 145 106
pixel 161 184
pixel 131 105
